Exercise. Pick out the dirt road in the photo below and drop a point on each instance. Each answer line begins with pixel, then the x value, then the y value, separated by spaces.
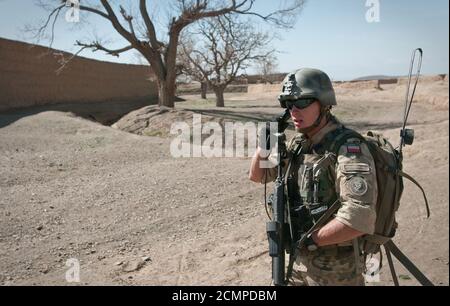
pixel 130 213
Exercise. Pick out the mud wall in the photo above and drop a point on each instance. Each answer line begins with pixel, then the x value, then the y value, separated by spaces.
pixel 28 77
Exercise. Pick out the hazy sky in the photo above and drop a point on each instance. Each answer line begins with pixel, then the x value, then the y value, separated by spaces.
pixel 332 35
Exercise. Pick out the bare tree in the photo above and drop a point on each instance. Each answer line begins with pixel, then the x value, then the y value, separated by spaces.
pixel 266 67
pixel 220 50
pixel 188 71
pixel 161 50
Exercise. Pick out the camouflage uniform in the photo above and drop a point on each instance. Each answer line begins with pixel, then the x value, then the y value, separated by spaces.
pixel 352 180
pixel 328 266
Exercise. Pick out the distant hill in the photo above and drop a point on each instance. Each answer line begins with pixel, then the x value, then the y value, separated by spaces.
pixel 376 77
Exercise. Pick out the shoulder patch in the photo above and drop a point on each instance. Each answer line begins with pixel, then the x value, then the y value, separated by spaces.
pixel 357 186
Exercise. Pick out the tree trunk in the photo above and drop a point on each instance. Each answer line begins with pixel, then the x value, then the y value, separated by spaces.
pixel 166 93
pixel 169 85
pixel 204 88
pixel 220 101
pixel 165 84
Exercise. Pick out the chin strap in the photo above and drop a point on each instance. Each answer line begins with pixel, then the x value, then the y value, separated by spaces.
pixel 325 111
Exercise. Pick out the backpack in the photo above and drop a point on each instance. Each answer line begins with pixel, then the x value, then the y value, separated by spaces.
pixel 388 163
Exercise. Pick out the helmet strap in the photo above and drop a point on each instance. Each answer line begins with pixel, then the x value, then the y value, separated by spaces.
pixel 324 111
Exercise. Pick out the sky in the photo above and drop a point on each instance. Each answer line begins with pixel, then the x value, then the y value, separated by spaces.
pixel 332 35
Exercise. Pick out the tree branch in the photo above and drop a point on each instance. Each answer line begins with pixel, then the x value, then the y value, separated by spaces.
pixel 129 19
pixel 132 39
pixel 41 30
pixel 93 10
pixel 63 62
pixel 96 46
pixel 151 33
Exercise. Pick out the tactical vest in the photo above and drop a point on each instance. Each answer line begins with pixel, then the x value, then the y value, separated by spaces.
pixel 310 181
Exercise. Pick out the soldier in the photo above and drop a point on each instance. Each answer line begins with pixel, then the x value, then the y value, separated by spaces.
pixel 332 255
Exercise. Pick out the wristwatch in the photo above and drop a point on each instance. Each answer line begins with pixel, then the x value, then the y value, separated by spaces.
pixel 310 244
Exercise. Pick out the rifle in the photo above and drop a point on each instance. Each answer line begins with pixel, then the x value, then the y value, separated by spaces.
pixel 276 228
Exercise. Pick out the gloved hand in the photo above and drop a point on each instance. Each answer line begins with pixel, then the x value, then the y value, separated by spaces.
pixel 264 138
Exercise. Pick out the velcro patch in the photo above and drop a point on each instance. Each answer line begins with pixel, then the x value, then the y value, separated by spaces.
pixel 355 168
pixel 353 148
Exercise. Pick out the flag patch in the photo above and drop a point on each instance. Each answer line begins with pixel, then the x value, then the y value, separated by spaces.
pixel 354 148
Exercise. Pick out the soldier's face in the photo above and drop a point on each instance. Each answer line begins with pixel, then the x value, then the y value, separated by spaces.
pixel 304 118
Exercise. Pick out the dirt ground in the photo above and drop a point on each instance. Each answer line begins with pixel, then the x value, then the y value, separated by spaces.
pixel 130 213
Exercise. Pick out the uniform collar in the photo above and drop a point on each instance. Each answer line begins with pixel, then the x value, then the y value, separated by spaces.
pixel 332 125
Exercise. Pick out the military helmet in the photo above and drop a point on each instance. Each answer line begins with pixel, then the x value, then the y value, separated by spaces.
pixel 308 83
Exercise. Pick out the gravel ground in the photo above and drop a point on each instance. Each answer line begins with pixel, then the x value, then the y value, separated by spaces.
pixel 130 213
